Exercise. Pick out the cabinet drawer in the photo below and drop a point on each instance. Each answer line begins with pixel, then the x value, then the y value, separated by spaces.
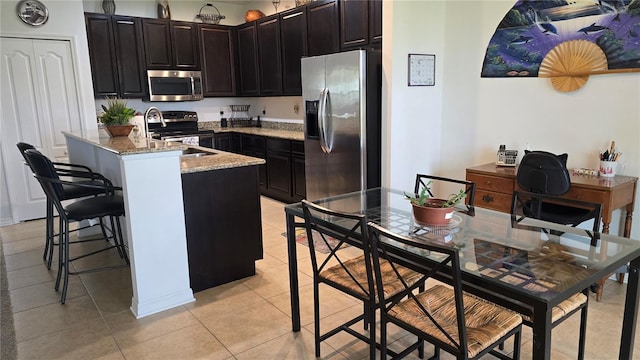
pixel 278 145
pixel 297 147
pixel 492 183
pixel 593 196
pixel 253 142
pixel 493 200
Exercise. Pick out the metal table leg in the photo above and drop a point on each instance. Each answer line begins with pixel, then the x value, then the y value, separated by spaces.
pixel 293 272
pixel 630 312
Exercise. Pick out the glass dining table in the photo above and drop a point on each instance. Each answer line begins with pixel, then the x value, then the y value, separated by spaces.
pixel 524 264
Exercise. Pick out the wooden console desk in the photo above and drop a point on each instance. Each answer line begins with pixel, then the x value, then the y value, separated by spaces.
pixel 495 186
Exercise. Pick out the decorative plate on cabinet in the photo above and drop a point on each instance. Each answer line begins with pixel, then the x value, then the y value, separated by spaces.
pixel 33 12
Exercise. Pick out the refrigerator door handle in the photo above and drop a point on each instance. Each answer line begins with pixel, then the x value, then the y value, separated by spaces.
pixel 324 113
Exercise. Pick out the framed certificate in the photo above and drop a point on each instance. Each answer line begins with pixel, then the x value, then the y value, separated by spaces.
pixel 422 70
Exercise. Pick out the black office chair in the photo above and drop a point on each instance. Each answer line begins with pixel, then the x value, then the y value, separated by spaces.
pixel 109 204
pixel 462 324
pixel 83 175
pixel 544 173
pixel 352 276
pixel 469 187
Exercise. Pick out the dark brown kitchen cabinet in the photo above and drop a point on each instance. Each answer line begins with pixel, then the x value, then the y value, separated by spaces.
pixel 218 64
pixel 279 169
pixel 227 141
pixel 248 60
pixel 293 32
pixel 269 58
pixel 170 45
pixel 323 33
pixel 299 190
pixel 223 226
pixel 253 145
pixel 116 55
pixel 360 23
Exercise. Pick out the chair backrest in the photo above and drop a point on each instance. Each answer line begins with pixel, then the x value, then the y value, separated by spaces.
pixel 442 261
pixel 530 204
pixel 44 170
pixel 469 186
pixel 335 230
pixel 543 173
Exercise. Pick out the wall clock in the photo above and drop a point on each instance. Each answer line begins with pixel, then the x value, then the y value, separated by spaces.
pixel 32 12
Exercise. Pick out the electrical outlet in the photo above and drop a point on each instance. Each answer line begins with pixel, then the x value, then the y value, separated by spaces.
pixel 296 108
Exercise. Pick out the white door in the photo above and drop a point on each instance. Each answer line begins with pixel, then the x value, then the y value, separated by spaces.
pixel 39 100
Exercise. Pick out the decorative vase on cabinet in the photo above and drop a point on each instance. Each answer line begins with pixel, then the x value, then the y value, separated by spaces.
pixel 109 6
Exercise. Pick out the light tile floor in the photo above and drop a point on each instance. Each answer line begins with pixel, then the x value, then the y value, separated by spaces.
pixel 246 319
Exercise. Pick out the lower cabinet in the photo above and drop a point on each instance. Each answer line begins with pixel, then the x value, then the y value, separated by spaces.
pixel 227 142
pixel 223 225
pixel 282 177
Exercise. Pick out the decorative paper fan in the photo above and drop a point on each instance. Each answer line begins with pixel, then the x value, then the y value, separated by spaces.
pixel 569 64
pixel 565 41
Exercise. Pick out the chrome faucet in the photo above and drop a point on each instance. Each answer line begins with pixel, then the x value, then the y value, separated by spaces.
pixel 157 115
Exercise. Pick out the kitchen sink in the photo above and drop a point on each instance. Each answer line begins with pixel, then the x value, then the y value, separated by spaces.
pixel 193 152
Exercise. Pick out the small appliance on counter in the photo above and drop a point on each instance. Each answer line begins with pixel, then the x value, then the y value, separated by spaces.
pixel 181 126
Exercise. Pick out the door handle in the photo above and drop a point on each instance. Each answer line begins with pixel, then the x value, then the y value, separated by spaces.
pixel 324 111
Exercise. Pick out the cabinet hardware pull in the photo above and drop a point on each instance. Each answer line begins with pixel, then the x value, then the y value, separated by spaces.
pixel 487 198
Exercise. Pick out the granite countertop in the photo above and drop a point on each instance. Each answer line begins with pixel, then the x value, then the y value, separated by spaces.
pixel 219 160
pixel 275 130
pixel 124 146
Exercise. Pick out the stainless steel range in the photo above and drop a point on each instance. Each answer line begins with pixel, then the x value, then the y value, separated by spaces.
pixel 180 126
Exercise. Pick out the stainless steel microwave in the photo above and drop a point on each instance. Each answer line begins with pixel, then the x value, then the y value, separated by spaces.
pixel 174 85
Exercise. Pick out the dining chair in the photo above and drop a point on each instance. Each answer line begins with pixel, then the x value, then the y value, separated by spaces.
pixel 469 187
pixel 462 324
pixel 544 173
pixel 527 204
pixel 82 174
pixel 350 275
pixel 109 204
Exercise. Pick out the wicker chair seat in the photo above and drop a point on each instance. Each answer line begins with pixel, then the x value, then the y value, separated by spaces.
pixel 485 322
pixel 357 268
pixel 562 309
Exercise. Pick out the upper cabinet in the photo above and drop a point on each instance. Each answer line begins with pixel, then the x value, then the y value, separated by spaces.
pixel 218 64
pixel 269 58
pixel 293 32
pixel 248 60
pixel 116 55
pixel 323 33
pixel 171 45
pixel 360 23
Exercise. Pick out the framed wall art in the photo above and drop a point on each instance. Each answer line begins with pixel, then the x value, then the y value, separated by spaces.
pixel 422 69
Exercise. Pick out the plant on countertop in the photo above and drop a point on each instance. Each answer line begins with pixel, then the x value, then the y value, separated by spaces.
pixel 421 199
pixel 116 112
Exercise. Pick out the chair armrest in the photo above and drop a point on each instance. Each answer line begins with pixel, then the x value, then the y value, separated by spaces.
pixel 108 188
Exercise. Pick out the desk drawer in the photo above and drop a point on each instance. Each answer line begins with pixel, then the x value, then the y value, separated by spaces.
pixel 594 196
pixel 493 200
pixel 492 183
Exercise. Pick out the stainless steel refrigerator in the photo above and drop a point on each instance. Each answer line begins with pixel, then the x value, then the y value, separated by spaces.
pixel 341 96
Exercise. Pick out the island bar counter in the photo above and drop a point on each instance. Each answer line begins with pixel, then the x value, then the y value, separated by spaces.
pixel 149 174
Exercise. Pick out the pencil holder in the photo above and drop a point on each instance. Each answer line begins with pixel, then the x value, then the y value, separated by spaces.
pixel 608 168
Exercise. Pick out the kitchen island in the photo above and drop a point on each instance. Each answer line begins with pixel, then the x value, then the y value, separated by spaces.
pixel 151 175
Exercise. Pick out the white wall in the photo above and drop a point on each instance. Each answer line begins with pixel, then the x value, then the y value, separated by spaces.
pixel 469 116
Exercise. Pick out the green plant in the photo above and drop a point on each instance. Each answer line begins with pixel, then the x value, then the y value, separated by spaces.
pixel 116 112
pixel 420 199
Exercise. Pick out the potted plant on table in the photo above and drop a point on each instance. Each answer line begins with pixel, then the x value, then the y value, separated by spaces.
pixel 433 211
pixel 116 117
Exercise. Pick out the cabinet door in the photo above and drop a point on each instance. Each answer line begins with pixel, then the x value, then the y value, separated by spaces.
pixel 223 142
pixel 293 32
pixel 279 169
pixel 184 45
pixel 102 55
pixel 247 60
pixel 269 61
pixel 157 44
pixel 218 70
pixel 299 190
pixel 354 23
pixel 375 21
pixel 127 32
pixel 322 28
